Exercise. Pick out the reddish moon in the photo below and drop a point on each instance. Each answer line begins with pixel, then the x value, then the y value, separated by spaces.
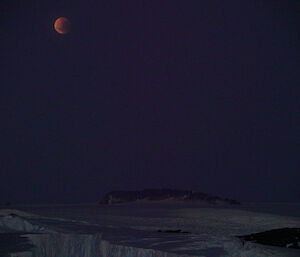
pixel 62 25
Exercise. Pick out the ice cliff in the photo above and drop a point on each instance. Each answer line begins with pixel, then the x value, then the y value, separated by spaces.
pixel 41 236
pixel 24 239
pixel 73 245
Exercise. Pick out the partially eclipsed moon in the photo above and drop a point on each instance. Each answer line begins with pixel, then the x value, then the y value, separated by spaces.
pixel 62 25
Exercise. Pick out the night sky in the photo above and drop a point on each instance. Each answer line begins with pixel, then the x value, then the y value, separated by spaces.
pixel 198 95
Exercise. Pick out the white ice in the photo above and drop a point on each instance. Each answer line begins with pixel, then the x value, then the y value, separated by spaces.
pixel 131 231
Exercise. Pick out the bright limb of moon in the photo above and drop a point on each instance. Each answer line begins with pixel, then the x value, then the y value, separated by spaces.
pixel 62 25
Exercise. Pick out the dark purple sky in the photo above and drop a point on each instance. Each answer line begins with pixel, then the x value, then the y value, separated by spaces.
pixel 197 95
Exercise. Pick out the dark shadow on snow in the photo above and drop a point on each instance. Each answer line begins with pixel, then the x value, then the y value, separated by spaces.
pixel 13 243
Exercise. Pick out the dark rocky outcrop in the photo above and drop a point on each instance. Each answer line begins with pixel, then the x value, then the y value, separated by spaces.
pixel 283 237
pixel 173 231
pixel 115 197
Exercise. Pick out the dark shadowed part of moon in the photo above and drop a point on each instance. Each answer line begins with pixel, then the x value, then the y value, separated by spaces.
pixel 62 25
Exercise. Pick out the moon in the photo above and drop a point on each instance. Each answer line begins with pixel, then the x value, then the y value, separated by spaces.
pixel 62 25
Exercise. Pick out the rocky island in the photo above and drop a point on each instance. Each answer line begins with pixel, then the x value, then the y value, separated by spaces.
pixel 155 195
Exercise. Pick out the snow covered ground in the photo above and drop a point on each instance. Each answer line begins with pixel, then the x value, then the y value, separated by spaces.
pixel 131 230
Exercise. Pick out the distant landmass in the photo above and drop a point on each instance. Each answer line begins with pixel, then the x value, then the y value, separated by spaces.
pixel 155 195
pixel 6 204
